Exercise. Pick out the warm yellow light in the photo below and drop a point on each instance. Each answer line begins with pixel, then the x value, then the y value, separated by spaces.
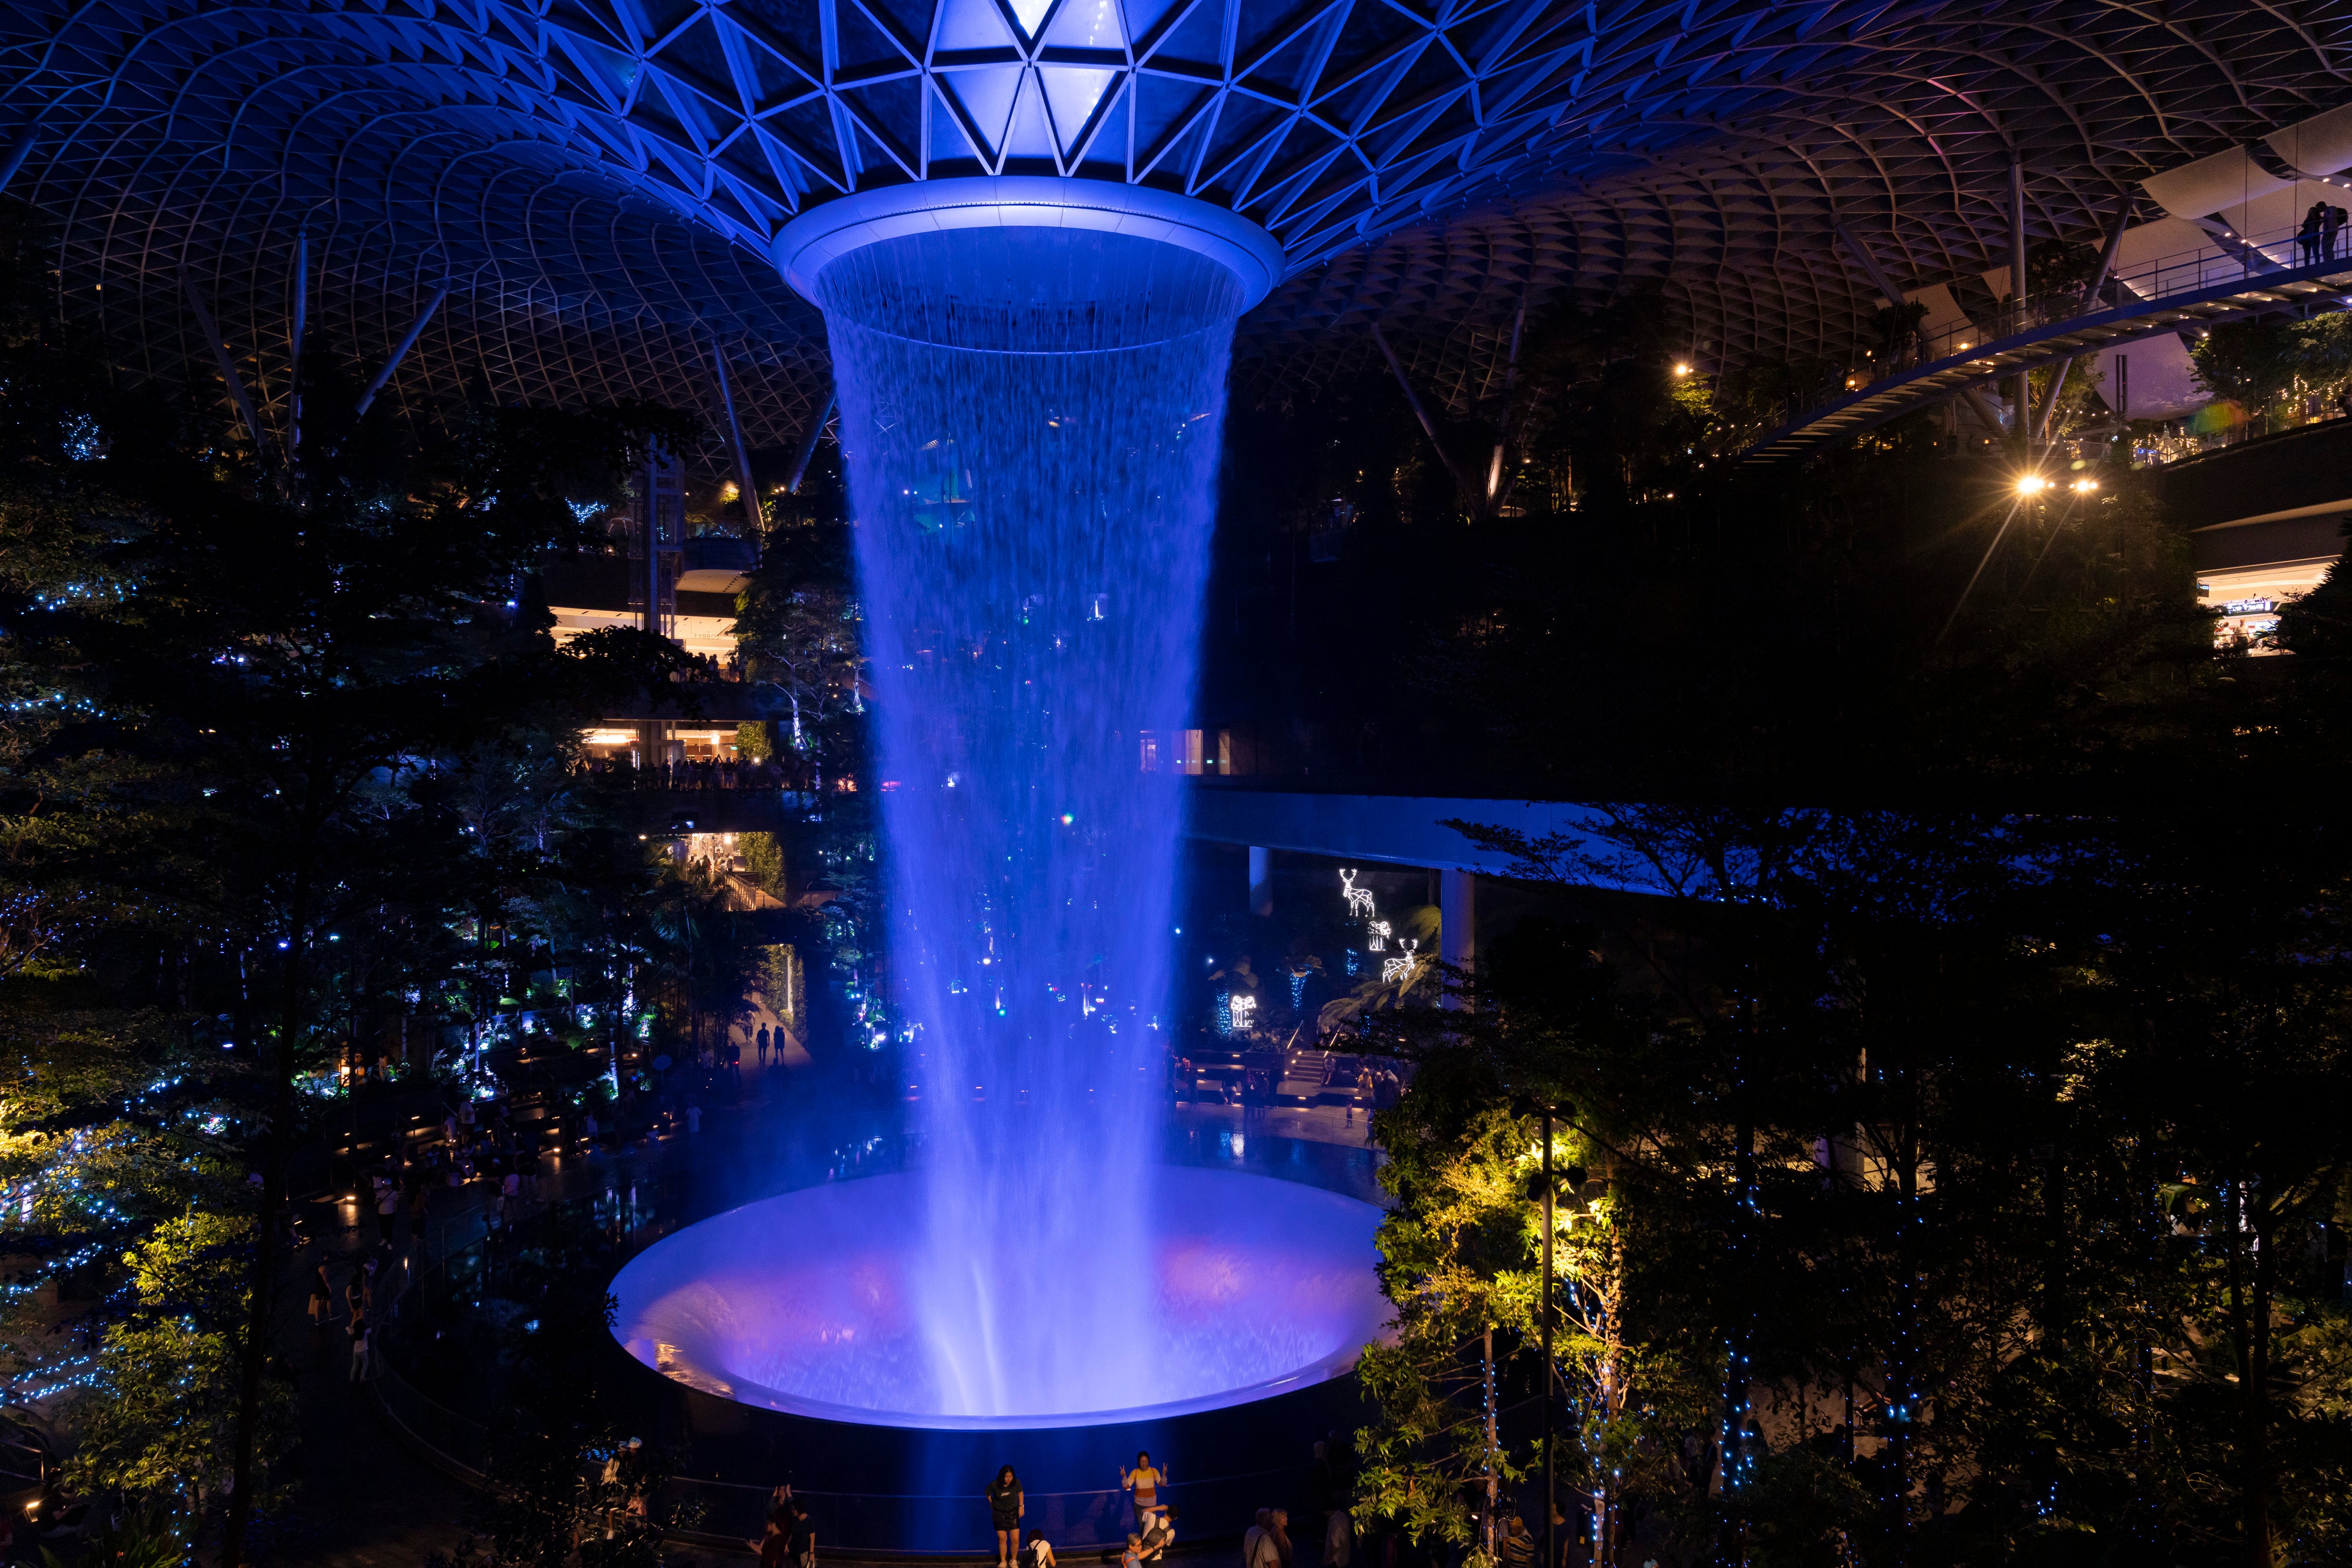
pixel 728 491
pixel 2031 484
pixel 2085 486
pixel 1682 370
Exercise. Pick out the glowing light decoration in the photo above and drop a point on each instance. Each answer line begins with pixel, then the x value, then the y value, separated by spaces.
pixel 1398 970
pixel 1244 1010
pixel 1379 931
pixel 1360 899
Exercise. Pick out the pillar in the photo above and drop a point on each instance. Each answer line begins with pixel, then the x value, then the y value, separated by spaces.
pixel 1261 880
pixel 1457 913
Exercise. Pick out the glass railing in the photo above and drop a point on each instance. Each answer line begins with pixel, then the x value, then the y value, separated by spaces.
pixel 698 1509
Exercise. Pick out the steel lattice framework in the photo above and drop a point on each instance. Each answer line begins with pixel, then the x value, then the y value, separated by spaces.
pixel 597 181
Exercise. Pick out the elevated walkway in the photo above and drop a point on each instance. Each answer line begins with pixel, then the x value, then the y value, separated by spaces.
pixel 1397 829
pixel 2230 280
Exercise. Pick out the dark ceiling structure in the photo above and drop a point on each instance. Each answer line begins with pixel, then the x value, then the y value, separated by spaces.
pixel 595 183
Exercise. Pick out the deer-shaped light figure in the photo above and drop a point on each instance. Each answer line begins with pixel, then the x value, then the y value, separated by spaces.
pixel 1394 971
pixel 1360 899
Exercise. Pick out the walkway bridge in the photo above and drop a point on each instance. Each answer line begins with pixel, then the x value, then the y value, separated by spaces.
pixel 2229 278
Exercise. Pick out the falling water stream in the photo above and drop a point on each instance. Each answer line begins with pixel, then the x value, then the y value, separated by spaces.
pixel 1031 420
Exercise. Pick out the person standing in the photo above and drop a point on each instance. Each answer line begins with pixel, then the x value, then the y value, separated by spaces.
pixel 762 1041
pixel 693 1118
pixel 1144 1481
pixel 2307 236
pixel 359 1330
pixel 322 1297
pixel 800 1539
pixel 1159 1536
pixel 1006 1506
pixel 2330 227
pixel 1339 1539
pixel 1257 1542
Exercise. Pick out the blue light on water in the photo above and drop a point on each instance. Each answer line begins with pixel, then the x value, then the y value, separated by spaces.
pixel 1030 423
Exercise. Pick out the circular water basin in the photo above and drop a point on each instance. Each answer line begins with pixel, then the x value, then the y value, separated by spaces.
pixel 804 1303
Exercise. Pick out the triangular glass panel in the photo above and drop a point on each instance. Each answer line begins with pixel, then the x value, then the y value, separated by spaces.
pixel 911 19
pixel 806 130
pixel 664 18
pixel 695 54
pixel 1071 93
pixel 616 71
pixel 1029 135
pixel 1241 123
pixel 1103 153
pixel 1373 36
pixel 1087 24
pixel 1262 27
pixel 971 25
pixel 652 112
pixel 1434 78
pixel 947 137
pixel 1171 169
pixel 574 17
pixel 1143 18
pixel 891 113
pixel 1160 106
pixel 1283 72
pixel 862 43
pixel 880 164
pixel 984 94
pixel 774 80
pixel 1195 37
pixel 1029 14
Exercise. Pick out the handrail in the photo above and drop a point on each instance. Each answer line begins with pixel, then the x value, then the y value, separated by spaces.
pixel 2222 258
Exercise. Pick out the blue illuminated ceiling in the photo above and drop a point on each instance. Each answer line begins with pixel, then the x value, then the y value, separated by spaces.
pixel 597 179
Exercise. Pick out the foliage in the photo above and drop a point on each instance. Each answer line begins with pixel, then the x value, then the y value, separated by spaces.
pixel 764 860
pixel 159 1421
pixel 138 1539
pixel 2269 366
pixel 562 1481
pixel 1911 1152
pixel 797 623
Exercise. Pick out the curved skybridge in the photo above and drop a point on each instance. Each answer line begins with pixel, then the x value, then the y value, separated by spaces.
pixel 2224 277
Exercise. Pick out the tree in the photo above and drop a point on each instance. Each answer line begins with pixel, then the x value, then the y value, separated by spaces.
pixel 162 1421
pixel 797 623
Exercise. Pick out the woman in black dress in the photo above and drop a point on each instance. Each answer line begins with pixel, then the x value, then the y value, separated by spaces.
pixel 1005 1507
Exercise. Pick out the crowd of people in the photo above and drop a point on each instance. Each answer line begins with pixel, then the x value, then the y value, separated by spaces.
pixel 705 773
pixel 1147 1543
pixel 1153 1515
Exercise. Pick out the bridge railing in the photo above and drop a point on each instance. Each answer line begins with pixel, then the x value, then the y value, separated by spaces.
pixel 2221 259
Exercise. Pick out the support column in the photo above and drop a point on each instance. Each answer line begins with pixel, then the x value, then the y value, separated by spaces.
pixel 2021 398
pixel 1457 915
pixel 1261 881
